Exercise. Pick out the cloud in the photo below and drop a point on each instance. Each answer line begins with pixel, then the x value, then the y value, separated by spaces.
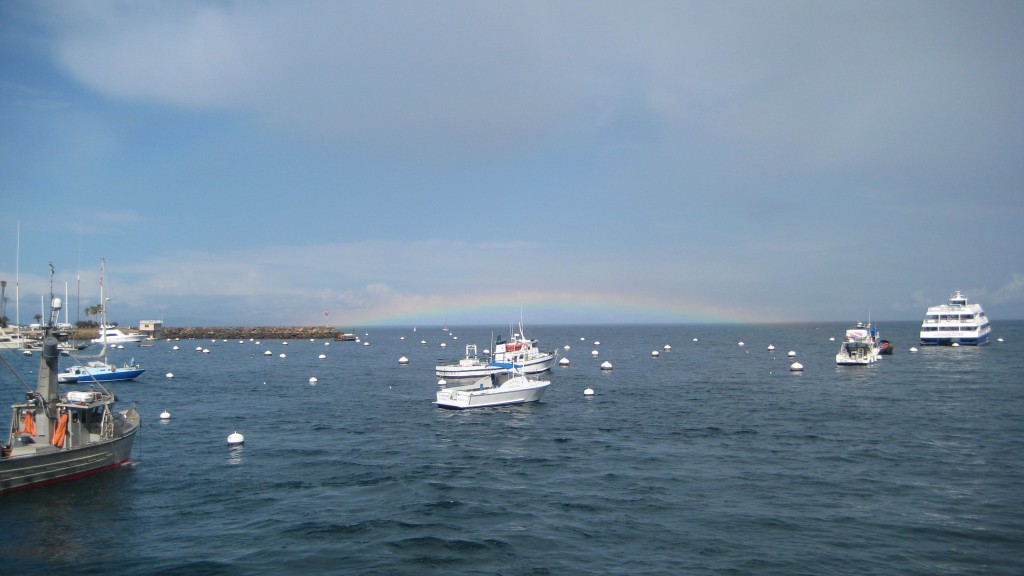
pixel 1010 293
pixel 794 88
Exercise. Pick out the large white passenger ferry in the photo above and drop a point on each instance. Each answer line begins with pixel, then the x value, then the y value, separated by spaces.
pixel 956 323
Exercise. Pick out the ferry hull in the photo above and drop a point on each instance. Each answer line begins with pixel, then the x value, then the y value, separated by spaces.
pixel 950 340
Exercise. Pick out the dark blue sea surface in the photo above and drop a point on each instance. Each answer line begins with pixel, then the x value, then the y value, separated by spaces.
pixel 712 458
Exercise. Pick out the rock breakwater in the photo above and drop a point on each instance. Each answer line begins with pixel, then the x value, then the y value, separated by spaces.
pixel 244 333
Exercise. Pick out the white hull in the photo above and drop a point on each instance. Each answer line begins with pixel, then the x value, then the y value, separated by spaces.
pixel 939 335
pixel 847 360
pixel 516 390
pixel 115 336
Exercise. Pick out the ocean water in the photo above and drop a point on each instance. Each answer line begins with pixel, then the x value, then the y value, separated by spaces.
pixel 713 458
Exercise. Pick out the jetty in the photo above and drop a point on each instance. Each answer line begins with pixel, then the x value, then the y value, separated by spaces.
pixel 235 333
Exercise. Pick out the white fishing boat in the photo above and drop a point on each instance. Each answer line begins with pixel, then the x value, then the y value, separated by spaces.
pixel 957 323
pixel 506 385
pixel 472 366
pixel 860 346
pixel 54 437
pixel 518 351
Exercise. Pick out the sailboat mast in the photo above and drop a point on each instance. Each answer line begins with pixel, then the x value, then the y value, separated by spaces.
pixel 103 306
pixel 17 281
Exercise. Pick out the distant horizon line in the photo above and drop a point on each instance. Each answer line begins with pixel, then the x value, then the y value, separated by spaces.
pixel 441 326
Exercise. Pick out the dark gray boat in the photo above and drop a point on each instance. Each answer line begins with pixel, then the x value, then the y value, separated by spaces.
pixel 55 437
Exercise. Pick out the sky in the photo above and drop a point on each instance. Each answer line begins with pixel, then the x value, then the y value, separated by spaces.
pixel 558 162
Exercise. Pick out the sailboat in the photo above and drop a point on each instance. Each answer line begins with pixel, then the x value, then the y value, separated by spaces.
pixel 54 437
pixel 101 370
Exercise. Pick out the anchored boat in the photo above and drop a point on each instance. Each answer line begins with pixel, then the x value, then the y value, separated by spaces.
pixel 54 437
pixel 519 351
pixel 957 323
pixel 860 347
pixel 505 385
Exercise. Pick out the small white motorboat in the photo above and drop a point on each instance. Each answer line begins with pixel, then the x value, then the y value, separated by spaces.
pixel 506 385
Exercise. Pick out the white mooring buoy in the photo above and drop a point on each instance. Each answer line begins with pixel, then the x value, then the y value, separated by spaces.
pixel 588 392
pixel 165 415
pixel 796 367
pixel 606 365
pixel 403 360
pixel 563 362
pixel 170 374
pixel 235 438
pixel 313 380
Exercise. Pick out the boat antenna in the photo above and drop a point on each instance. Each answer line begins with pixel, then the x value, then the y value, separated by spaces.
pixel 55 304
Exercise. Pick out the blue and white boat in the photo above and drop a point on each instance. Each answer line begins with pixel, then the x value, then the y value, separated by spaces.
pixel 955 324
pixel 100 371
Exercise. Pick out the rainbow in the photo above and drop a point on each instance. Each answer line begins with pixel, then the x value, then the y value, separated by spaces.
pixel 545 308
